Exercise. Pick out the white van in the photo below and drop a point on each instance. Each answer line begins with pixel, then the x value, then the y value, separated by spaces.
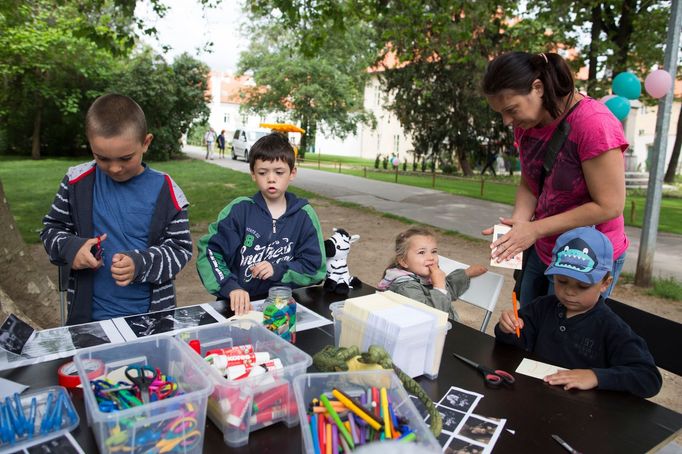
pixel 243 140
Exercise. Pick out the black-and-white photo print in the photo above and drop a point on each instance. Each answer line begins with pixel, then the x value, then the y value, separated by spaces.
pixel 170 320
pixel 14 333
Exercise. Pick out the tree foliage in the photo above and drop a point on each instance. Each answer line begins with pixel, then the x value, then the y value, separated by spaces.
pixel 324 91
pixel 171 95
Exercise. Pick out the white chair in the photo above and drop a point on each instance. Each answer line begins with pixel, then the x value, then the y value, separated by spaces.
pixel 483 291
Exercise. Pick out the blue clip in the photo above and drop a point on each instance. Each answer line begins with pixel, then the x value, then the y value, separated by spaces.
pixel 32 417
pixel 44 423
pixel 7 426
pixel 20 413
pixel 14 419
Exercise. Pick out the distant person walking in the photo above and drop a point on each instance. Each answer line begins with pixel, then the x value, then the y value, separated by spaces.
pixel 209 140
pixel 221 144
pixel 490 162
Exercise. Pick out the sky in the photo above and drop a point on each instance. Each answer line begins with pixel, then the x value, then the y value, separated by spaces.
pixel 187 28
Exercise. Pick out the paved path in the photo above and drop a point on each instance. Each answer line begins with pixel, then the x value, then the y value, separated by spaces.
pixel 446 211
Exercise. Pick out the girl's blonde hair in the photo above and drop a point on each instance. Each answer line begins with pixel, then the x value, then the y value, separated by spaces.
pixel 402 243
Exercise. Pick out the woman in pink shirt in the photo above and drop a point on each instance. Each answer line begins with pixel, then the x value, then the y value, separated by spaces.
pixel 586 185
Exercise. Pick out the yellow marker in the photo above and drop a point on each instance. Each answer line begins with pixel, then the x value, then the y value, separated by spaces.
pixel 387 416
pixel 357 409
pixel 337 421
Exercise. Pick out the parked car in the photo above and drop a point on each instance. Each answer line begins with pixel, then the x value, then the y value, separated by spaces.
pixel 243 140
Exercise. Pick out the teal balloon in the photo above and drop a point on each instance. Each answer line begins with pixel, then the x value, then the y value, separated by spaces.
pixel 619 106
pixel 626 84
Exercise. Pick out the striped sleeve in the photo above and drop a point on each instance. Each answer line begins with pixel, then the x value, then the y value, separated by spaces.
pixel 162 261
pixel 59 235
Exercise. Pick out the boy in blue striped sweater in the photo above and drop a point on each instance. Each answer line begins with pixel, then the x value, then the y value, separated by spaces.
pixel 118 227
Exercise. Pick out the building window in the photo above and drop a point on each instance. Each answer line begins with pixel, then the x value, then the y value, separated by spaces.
pixel 396 143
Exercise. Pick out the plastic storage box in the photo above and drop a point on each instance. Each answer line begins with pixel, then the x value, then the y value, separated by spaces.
pixel 66 419
pixel 173 424
pixel 239 407
pixel 402 350
pixel 309 386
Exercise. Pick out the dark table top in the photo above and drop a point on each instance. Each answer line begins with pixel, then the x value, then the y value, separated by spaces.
pixel 591 421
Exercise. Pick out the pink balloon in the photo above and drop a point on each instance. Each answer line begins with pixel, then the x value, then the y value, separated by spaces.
pixel 658 83
pixel 395 161
pixel 603 99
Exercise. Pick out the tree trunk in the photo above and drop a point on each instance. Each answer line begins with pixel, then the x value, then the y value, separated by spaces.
pixel 20 280
pixel 464 163
pixel 37 123
pixel 675 158
pixel 592 54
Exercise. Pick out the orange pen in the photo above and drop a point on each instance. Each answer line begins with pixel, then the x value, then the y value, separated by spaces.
pixel 516 314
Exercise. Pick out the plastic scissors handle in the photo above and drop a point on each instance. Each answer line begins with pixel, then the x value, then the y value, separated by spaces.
pixel 142 377
pixel 496 377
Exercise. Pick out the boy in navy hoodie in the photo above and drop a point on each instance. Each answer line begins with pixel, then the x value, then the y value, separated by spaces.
pixel 575 329
pixel 273 238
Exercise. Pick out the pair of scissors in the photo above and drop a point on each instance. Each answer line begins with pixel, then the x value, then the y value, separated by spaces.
pixel 181 434
pixel 142 377
pixel 492 377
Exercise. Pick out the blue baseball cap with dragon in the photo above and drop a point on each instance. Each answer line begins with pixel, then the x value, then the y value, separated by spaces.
pixel 584 254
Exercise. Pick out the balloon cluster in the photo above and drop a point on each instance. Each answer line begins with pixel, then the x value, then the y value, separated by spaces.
pixel 626 86
pixel 395 161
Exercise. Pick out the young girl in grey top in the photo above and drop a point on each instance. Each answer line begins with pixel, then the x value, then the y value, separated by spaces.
pixel 414 272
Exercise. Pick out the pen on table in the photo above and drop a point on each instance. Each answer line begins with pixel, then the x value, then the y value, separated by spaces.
pixel 516 314
pixel 565 445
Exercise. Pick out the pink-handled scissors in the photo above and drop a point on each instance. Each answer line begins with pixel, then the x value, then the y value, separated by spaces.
pixel 492 377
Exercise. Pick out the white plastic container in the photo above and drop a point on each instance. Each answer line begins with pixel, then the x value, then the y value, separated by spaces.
pixel 239 407
pixel 177 420
pixel 402 350
pixel 310 386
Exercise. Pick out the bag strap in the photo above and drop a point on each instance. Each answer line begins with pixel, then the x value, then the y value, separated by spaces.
pixel 556 142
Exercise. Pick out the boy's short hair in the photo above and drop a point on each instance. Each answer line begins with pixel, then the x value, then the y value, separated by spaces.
pixel 113 115
pixel 584 254
pixel 272 147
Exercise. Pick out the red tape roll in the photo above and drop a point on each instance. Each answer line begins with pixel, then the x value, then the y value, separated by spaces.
pixel 67 373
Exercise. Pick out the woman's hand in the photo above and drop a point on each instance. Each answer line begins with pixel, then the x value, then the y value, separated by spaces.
pixel 522 235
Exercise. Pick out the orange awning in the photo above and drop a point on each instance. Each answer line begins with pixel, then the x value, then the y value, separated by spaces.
pixel 283 127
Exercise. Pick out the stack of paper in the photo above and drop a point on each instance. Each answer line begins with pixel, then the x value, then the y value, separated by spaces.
pixel 411 332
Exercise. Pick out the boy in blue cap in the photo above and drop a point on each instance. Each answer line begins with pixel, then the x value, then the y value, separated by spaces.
pixel 575 329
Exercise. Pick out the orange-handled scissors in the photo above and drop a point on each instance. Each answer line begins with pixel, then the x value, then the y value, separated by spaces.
pixel 492 377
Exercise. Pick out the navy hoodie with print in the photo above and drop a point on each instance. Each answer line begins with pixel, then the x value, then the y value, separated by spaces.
pixel 245 234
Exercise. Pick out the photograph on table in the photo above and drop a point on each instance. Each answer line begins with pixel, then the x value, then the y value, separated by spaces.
pixel 423 412
pixel 14 334
pixel 460 399
pixel 458 446
pixel 451 418
pixel 152 323
pixel 481 430
pixel 63 444
pixel 62 342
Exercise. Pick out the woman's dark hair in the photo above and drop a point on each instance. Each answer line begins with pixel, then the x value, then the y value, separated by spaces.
pixel 516 71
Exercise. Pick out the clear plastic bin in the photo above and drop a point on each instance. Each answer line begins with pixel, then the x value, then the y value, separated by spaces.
pixel 66 421
pixel 173 424
pixel 310 386
pixel 239 407
pixel 403 349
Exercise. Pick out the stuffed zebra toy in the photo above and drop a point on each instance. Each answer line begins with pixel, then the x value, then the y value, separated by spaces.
pixel 336 249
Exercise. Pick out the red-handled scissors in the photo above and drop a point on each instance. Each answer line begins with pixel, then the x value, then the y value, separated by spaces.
pixel 492 377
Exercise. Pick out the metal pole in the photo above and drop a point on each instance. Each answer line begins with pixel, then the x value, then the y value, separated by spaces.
pixel 647 247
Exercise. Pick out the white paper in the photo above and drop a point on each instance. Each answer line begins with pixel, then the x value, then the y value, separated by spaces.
pixel 62 342
pixel 9 387
pixel 514 262
pixel 537 369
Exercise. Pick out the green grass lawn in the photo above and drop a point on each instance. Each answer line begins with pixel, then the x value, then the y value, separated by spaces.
pixel 500 189
pixel 30 187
